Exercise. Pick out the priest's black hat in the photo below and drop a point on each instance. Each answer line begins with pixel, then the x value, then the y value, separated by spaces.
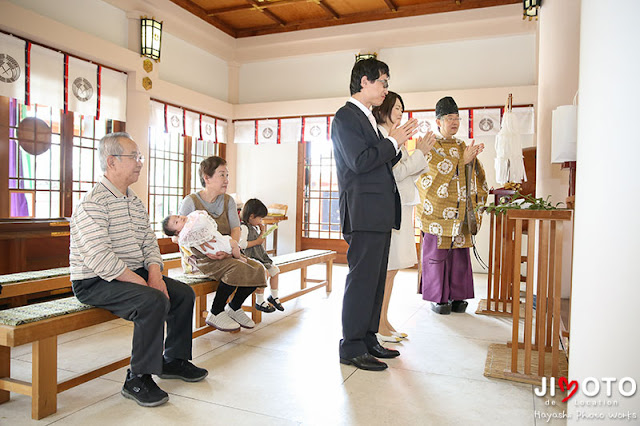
pixel 446 106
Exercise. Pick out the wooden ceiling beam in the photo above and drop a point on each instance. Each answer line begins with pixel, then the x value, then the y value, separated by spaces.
pixel 392 6
pixel 241 7
pixel 202 14
pixel 375 15
pixel 261 7
pixel 326 8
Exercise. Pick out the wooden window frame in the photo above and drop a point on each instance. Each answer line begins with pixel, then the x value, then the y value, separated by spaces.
pixel 66 160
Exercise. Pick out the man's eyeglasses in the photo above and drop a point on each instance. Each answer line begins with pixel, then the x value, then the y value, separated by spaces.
pixel 385 83
pixel 136 157
pixel 451 119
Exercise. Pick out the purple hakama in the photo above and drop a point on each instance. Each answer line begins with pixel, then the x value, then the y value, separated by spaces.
pixel 445 276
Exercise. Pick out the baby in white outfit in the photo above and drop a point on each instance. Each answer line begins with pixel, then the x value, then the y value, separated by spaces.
pixel 199 230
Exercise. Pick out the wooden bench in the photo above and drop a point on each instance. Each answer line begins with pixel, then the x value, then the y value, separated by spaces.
pixel 302 260
pixel 40 324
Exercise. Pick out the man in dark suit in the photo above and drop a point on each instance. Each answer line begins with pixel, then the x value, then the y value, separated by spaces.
pixel 369 209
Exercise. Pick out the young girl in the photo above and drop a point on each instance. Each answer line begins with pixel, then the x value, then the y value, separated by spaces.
pixel 251 243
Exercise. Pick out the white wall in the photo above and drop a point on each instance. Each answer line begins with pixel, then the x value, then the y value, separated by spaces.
pixel 268 172
pixel 91 16
pixel 190 67
pixel 302 77
pixel 606 287
pixel 465 64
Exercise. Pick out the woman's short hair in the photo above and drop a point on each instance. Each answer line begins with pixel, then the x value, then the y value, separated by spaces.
pixel 382 113
pixel 208 167
pixel 110 145
pixel 253 207
pixel 371 68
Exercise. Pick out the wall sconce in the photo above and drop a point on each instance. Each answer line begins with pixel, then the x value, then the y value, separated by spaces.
pixel 151 36
pixel 530 8
pixel 361 56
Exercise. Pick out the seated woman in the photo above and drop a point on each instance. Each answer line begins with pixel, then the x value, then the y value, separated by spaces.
pixel 232 274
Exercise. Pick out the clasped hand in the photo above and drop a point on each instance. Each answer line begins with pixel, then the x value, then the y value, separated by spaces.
pixel 472 151
pixel 403 133
pixel 426 142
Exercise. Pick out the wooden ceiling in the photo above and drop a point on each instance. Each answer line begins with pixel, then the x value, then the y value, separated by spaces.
pixel 247 18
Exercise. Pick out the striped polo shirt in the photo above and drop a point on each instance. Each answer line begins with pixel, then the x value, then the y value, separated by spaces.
pixel 110 231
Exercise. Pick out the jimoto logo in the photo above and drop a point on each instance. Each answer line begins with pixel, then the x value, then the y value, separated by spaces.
pixel 590 387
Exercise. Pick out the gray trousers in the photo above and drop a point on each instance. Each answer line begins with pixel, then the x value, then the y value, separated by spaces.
pixel 149 309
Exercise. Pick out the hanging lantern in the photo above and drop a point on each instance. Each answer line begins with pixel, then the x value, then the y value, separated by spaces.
pixel 530 8
pixel 150 37
pixel 361 56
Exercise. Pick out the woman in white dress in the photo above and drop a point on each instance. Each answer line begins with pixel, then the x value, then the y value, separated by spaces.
pixel 402 253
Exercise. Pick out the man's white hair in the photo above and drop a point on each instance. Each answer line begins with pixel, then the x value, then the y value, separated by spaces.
pixel 110 145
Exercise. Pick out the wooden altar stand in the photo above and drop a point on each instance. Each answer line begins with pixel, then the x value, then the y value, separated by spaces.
pixel 535 352
pixel 501 257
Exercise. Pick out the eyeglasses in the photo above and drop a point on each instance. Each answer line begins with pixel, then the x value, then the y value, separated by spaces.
pixel 449 119
pixel 385 83
pixel 136 157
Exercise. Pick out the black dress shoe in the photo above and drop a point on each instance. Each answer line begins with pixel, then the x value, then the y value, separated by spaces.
pixel 364 362
pixel 380 352
pixel 441 308
pixel 459 306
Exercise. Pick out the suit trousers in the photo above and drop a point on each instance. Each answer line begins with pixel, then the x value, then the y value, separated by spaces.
pixel 367 256
pixel 149 309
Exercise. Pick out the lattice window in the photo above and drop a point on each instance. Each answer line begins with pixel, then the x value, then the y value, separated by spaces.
pixel 87 132
pixel 34 168
pixel 166 175
pixel 200 150
pixel 321 216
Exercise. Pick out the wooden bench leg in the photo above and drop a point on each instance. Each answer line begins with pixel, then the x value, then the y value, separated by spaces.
pixel 303 277
pixel 200 306
pixel 256 315
pixel 329 275
pixel 44 392
pixel 5 370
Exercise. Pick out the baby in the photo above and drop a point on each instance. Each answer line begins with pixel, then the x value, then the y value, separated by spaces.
pixel 199 230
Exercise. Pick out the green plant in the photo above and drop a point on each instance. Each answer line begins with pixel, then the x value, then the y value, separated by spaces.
pixel 520 202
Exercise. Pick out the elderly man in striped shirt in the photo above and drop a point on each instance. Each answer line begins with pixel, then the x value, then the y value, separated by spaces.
pixel 116 265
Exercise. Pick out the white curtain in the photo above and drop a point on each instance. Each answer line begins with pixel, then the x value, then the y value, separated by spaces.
pixel 290 130
pixel 47 77
pixel 82 87
pixel 192 124
pixel 12 67
pixel 524 119
pixel 426 122
pixel 156 118
pixel 175 122
pixel 267 131
pixel 486 122
pixel 315 129
pixel 113 95
pixel 208 129
pixel 245 131
pixel 221 131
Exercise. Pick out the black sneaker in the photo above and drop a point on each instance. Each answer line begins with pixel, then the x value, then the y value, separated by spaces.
pixel 143 390
pixel 276 302
pixel 265 307
pixel 182 369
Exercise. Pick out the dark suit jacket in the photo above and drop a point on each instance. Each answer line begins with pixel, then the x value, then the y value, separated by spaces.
pixel 369 199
